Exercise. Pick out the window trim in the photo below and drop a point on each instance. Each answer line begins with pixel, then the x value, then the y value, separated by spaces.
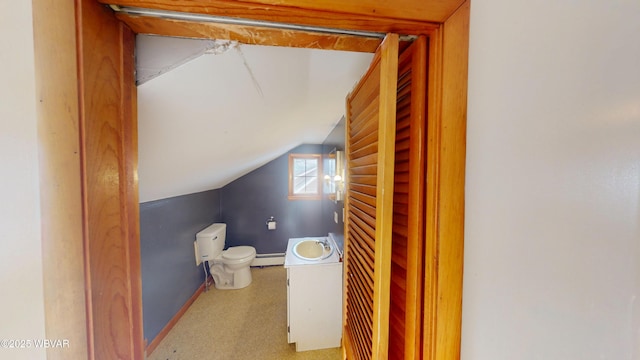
pixel 318 194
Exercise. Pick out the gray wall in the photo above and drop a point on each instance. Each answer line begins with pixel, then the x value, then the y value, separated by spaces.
pixel 169 272
pixel 249 201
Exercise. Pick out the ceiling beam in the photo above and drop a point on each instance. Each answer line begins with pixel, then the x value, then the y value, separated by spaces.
pixel 248 34
pixel 407 17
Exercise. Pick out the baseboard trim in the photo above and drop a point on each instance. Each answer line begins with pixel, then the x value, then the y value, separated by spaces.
pixel 163 333
pixel 268 259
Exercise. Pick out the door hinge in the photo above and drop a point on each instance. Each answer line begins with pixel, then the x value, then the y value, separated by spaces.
pixel 288 329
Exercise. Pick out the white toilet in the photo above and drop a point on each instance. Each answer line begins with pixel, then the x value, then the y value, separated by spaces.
pixel 229 268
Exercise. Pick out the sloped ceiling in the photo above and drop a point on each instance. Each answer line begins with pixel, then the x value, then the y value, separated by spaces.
pixel 216 117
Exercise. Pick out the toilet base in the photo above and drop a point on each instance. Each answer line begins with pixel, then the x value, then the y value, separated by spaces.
pixel 225 280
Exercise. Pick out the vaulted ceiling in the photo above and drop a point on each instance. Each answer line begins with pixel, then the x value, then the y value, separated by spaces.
pixel 210 116
pixel 213 118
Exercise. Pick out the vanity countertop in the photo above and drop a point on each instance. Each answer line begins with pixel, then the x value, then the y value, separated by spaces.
pixel 291 259
pixel 338 239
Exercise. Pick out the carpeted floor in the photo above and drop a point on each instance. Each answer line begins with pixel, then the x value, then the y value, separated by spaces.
pixel 249 323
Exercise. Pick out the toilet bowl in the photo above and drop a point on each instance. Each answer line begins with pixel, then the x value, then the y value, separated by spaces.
pixel 230 268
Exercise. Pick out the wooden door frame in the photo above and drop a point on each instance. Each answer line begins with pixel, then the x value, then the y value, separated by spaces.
pixel 446 158
pixel 67 190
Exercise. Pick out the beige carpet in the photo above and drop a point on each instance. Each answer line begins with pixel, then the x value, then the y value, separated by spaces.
pixel 249 323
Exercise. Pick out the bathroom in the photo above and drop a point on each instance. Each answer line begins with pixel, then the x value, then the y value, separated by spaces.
pixel 168 227
pixel 168 224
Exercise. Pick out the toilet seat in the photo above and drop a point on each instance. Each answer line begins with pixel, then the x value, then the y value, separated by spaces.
pixel 237 254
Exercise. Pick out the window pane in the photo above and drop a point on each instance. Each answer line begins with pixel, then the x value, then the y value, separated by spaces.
pixel 305 185
pixel 312 185
pixel 305 176
pixel 298 185
pixel 298 167
pixel 312 167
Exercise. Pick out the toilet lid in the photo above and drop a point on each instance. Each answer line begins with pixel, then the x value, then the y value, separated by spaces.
pixel 238 252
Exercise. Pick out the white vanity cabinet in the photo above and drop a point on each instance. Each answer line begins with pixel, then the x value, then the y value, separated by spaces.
pixel 314 301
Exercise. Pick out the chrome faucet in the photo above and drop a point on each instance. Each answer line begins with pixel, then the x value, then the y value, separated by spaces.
pixel 324 243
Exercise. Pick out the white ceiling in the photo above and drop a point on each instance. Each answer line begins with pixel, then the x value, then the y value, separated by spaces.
pixel 211 120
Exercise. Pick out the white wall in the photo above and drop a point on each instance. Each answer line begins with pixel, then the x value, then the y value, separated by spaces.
pixel 552 231
pixel 21 298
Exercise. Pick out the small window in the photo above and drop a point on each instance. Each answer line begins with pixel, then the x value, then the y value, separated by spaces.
pixel 304 176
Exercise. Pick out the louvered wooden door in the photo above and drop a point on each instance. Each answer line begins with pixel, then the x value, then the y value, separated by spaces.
pixel 371 112
pixel 384 205
pixel 405 313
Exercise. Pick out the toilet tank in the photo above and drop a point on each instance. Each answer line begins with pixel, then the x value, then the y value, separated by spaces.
pixel 210 241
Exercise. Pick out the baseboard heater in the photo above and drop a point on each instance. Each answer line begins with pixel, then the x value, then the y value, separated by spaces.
pixel 268 259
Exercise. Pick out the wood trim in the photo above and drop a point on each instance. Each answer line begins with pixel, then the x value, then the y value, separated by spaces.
pixel 452 173
pixel 311 13
pixel 249 34
pixel 110 193
pixel 426 10
pixel 445 194
pixel 174 320
pixel 129 146
pixel 434 115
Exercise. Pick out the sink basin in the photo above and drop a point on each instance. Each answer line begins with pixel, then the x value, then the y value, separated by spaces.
pixel 312 249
